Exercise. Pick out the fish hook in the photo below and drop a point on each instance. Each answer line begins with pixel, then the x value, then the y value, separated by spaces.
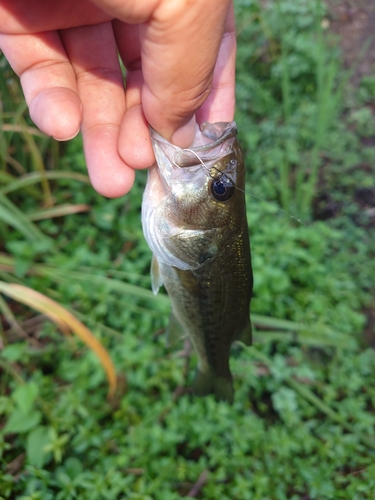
pixel 223 177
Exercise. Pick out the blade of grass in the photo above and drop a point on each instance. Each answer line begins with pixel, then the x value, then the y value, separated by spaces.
pixel 23 128
pixel 55 153
pixel 5 178
pixel 332 102
pixel 8 367
pixel 38 164
pixel 65 321
pixel 111 283
pixel 306 338
pixel 284 169
pixel 18 167
pixel 58 211
pixel 301 329
pixel 10 278
pixel 14 217
pixel 281 324
pixel 7 264
pixel 104 328
pixel 123 275
pixel 3 143
pixel 9 316
pixel 328 103
pixel 35 177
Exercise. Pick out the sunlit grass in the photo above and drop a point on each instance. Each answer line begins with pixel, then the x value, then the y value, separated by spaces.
pixel 64 320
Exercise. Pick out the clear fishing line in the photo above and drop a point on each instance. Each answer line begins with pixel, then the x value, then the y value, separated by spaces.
pixel 208 170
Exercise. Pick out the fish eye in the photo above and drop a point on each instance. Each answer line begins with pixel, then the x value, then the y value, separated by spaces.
pixel 222 189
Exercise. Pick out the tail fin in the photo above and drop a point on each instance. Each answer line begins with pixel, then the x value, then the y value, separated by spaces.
pixel 210 383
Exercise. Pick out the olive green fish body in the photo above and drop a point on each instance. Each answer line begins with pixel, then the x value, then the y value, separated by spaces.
pixel 194 219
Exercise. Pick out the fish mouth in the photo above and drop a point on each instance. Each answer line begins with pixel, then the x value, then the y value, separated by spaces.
pixel 212 142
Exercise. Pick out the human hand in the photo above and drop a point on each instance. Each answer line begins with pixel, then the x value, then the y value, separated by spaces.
pixel 179 57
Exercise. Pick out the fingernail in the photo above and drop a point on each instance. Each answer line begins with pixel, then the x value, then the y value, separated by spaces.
pixel 184 136
pixel 67 138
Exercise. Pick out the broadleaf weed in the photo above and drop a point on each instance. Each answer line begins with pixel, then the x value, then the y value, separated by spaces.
pixel 304 395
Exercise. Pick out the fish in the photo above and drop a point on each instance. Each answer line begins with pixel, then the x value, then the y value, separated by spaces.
pixel 194 221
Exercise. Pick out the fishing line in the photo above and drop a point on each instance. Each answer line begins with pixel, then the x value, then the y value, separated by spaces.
pixel 272 205
pixel 202 163
pixel 208 170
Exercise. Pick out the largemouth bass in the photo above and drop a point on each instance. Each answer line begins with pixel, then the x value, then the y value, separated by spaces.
pixel 194 221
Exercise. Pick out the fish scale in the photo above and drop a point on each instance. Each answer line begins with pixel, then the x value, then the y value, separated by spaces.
pixel 195 224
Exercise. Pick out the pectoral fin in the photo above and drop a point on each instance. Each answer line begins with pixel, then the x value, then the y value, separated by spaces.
pixel 156 279
pixel 246 335
pixel 189 282
pixel 190 248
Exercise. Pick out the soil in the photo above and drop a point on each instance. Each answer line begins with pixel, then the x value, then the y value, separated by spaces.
pixel 354 22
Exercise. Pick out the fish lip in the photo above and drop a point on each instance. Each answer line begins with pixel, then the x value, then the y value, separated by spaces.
pixel 191 157
pixel 229 130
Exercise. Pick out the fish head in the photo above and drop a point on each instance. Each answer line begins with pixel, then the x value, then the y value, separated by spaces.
pixel 205 182
pixel 194 193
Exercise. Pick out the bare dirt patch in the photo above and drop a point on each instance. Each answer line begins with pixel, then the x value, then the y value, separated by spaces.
pixel 354 22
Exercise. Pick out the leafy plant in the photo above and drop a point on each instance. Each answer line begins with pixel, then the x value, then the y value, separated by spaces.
pixel 302 423
pixel 65 321
pixel 284 45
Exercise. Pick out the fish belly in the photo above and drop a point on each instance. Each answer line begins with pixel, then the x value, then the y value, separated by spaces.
pixel 212 306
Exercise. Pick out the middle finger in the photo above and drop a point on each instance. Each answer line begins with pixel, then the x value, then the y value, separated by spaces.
pixel 93 55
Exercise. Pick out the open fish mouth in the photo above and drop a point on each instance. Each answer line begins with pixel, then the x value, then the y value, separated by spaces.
pixel 212 141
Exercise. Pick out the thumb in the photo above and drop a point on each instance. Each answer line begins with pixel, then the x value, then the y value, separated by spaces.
pixel 180 43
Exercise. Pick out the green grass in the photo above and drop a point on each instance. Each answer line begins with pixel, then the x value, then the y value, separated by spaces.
pixel 302 423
